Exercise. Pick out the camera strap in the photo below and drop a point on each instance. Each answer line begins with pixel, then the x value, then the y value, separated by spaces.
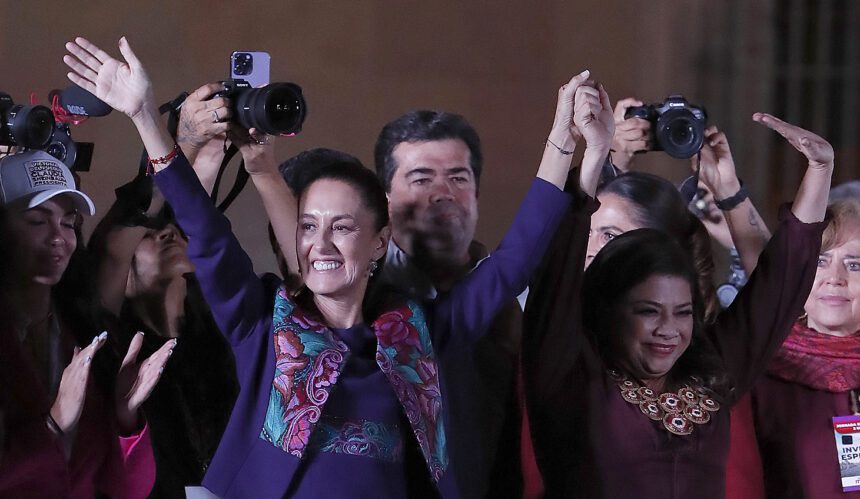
pixel 690 185
pixel 238 184
pixel 172 108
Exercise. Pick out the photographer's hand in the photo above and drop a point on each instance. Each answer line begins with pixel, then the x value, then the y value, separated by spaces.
pixel 717 167
pixel 202 119
pixel 632 135
pixel 810 203
pixel 748 231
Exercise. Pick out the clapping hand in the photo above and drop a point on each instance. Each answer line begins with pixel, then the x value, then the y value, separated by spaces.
pixel 67 407
pixel 124 86
pixel 136 380
pixel 818 152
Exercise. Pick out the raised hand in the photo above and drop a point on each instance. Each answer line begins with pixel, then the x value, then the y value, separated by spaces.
pixel 564 108
pixel 818 152
pixel 593 117
pixel 717 167
pixel 124 86
pixel 136 380
pixel 67 407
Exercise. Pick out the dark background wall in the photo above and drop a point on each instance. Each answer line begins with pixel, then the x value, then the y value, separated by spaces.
pixel 497 63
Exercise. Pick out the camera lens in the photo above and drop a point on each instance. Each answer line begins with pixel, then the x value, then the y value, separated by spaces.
pixel 679 133
pixel 243 64
pixel 278 108
pixel 30 126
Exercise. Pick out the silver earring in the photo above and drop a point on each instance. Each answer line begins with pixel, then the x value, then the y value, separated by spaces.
pixel 373 267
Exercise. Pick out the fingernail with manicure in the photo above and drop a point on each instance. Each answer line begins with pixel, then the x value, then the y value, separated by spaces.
pixel 103 335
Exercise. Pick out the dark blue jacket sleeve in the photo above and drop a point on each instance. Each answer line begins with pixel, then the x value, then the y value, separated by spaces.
pixel 466 312
pixel 231 288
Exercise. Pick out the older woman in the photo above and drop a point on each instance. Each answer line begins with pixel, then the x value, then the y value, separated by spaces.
pixel 814 377
pixel 342 396
pixel 631 391
pixel 65 437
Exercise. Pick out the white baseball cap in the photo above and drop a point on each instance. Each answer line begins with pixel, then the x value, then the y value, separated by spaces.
pixel 39 176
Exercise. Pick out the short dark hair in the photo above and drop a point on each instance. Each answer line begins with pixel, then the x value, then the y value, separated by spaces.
pixel 627 261
pixel 419 126
pixel 361 179
pixel 298 169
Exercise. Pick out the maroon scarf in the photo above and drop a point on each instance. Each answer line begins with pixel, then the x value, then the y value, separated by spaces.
pixel 819 361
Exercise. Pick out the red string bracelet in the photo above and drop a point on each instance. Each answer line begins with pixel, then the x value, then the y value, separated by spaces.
pixel 167 158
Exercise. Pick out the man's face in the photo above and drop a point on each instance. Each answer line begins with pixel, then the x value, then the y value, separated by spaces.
pixel 433 201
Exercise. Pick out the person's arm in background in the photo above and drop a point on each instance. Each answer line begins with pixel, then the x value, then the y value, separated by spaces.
pixel 747 229
pixel 583 110
pixel 810 203
pixel 278 199
pixel 234 292
pixel 751 330
pixel 117 254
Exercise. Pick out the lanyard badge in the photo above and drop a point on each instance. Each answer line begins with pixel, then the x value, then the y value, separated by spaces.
pixel 847 432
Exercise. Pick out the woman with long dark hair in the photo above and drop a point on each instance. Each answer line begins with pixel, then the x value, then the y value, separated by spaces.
pixel 628 386
pixel 72 424
pixel 146 284
pixel 342 396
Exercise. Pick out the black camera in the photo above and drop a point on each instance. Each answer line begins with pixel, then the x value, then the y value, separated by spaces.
pixel 24 126
pixel 677 126
pixel 76 155
pixel 36 127
pixel 275 109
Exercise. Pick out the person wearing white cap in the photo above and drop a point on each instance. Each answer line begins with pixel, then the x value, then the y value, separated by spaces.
pixel 64 437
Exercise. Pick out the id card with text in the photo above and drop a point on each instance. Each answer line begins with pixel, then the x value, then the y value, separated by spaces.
pixel 847 432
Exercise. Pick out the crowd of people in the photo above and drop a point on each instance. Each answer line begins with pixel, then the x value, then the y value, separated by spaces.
pixel 394 355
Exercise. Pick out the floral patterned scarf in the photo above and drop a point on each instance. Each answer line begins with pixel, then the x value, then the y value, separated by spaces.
pixel 817 360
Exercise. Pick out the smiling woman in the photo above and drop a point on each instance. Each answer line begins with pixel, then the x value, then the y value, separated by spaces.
pixel 816 373
pixel 629 387
pixel 338 400
pixel 90 440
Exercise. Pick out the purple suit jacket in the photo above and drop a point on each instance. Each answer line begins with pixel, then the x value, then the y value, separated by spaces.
pixel 247 465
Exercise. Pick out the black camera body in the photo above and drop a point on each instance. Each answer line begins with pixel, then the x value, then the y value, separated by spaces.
pixel 35 127
pixel 275 109
pixel 30 127
pixel 677 127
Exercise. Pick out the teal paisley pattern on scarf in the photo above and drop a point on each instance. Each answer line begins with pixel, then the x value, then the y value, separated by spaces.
pixel 358 438
pixel 308 360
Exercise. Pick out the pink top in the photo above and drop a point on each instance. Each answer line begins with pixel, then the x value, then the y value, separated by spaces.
pixel 33 461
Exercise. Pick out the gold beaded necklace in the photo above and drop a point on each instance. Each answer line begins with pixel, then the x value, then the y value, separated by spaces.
pixel 678 411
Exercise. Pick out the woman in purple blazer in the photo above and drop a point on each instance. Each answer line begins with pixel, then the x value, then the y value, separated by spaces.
pixel 342 396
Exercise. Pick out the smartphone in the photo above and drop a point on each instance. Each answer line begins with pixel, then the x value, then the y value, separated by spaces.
pixel 252 67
